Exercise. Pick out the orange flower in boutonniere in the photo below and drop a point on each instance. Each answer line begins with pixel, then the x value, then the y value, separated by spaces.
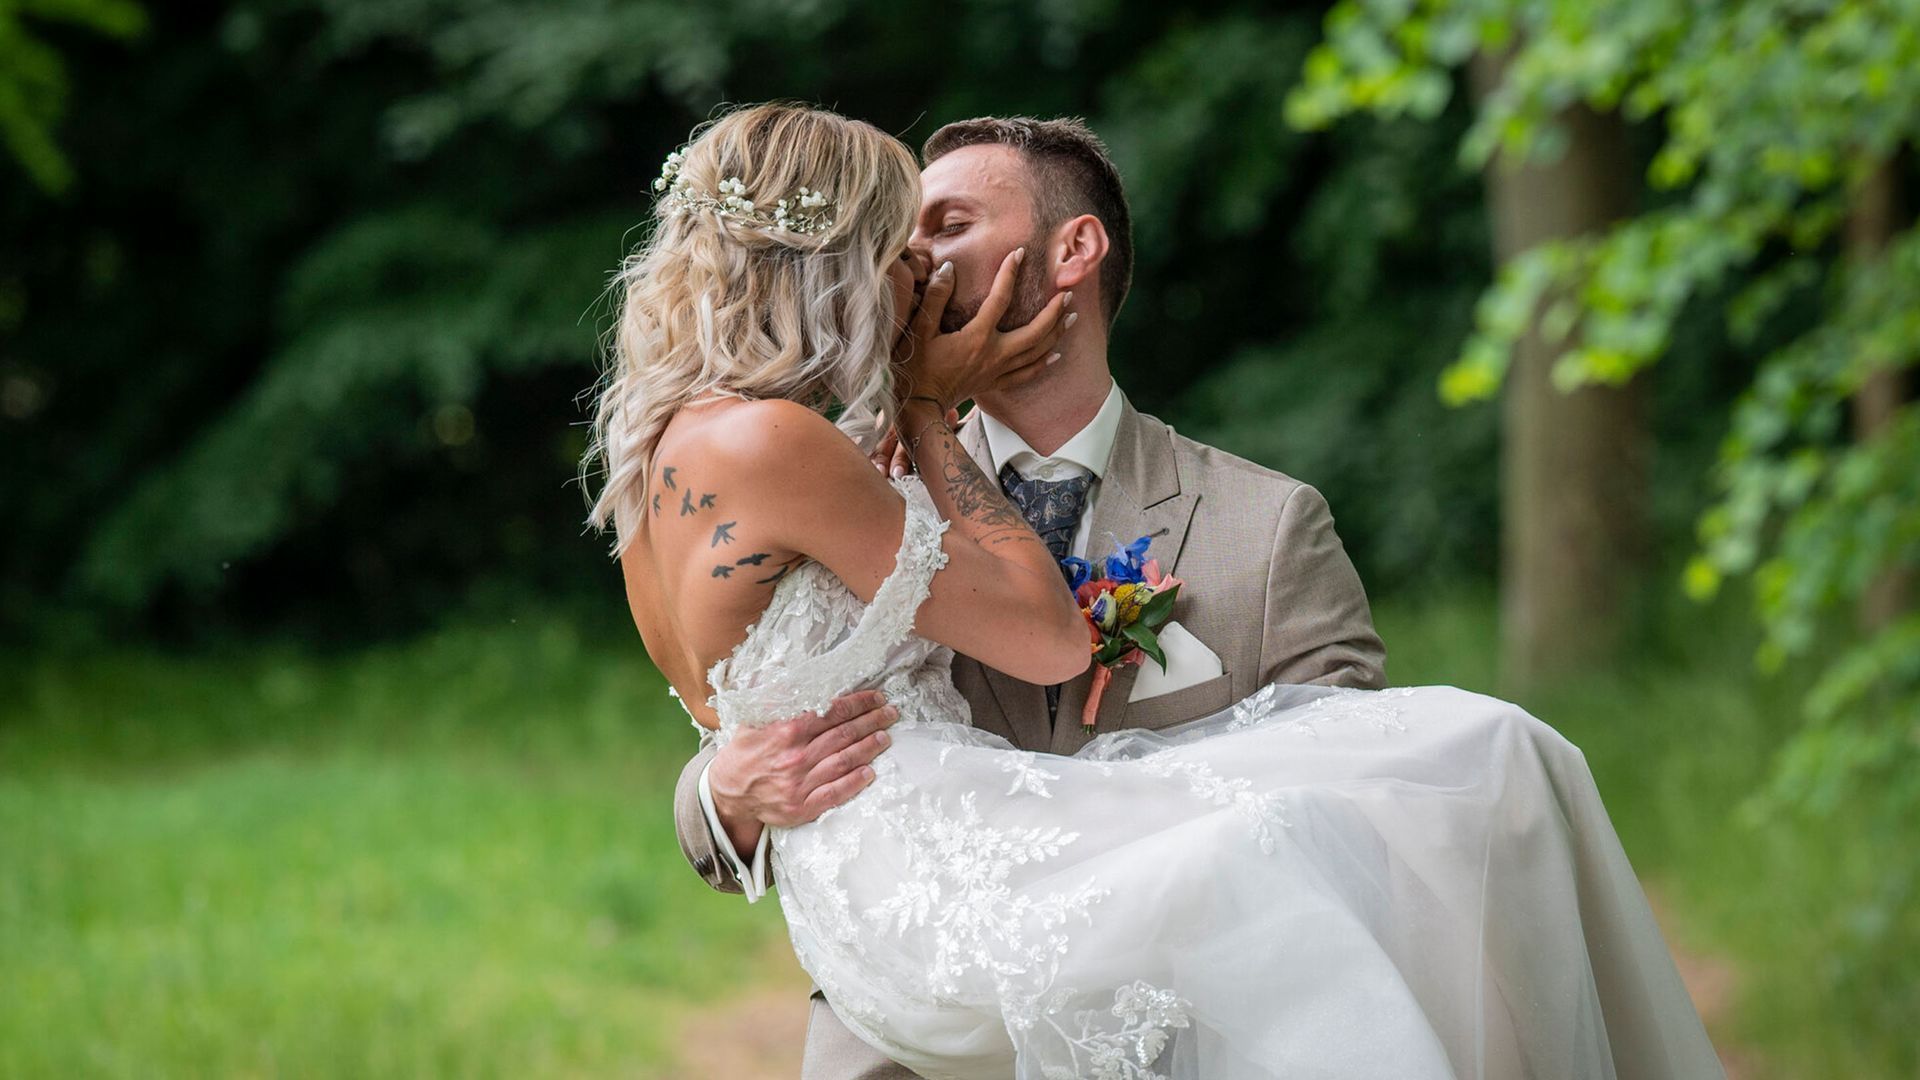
pixel 1126 599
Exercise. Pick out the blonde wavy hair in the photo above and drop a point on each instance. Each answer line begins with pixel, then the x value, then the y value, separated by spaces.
pixel 717 304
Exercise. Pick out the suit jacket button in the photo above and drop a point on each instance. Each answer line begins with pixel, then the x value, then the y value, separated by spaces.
pixel 703 865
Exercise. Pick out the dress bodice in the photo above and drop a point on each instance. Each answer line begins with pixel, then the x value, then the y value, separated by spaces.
pixel 817 640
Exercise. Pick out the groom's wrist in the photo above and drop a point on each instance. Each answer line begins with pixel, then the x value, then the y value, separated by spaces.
pixel 742 828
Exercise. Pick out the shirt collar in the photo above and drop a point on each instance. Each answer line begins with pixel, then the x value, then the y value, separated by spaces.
pixel 1088 448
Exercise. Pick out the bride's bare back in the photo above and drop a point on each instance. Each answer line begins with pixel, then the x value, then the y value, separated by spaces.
pixel 699 572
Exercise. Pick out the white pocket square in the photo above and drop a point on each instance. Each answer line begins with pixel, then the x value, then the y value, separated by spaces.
pixel 1189 663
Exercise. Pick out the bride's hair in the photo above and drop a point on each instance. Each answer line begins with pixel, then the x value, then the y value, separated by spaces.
pixel 721 299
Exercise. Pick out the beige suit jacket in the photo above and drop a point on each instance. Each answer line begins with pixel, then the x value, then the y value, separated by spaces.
pixel 1269 588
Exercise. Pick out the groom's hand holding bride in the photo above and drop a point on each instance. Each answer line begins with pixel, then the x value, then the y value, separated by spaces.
pixel 793 771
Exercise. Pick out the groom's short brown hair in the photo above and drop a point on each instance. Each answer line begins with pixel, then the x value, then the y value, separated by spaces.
pixel 1072 176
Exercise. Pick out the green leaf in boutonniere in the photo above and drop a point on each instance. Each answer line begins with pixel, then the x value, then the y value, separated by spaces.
pixel 1112 650
pixel 1148 641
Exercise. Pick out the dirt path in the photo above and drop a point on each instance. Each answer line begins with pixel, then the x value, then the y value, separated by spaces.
pixel 757 1036
pixel 1714 985
pixel 760 1035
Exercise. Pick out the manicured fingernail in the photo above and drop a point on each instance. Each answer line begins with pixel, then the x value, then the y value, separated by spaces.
pixel 1071 316
pixel 1068 301
pixel 1053 358
pixel 1019 253
pixel 945 267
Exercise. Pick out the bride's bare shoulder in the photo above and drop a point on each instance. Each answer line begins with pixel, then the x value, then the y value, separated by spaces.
pixel 760 441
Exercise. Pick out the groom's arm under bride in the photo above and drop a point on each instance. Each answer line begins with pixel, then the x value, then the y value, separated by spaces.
pixel 789 772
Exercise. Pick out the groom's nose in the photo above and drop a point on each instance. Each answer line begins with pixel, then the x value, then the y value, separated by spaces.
pixel 921 248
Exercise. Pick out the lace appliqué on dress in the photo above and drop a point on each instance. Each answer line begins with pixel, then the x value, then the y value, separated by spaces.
pixel 1128 1051
pixel 1376 707
pixel 958 884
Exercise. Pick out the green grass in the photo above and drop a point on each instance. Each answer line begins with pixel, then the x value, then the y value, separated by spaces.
pixel 454 857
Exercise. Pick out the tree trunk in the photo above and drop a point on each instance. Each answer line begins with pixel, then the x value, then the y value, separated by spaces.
pixel 1876 215
pixel 1573 465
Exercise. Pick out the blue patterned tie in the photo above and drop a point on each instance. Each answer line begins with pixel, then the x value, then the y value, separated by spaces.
pixel 1053 508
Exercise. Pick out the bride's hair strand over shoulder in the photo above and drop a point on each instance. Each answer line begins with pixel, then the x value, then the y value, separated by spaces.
pixel 726 297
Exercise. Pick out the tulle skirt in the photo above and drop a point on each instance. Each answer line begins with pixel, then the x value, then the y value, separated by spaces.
pixel 1316 883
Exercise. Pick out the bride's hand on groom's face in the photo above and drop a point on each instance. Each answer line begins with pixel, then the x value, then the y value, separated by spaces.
pixel 979 357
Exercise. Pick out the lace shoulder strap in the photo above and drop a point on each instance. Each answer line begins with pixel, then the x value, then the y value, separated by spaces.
pixel 889 619
pixel 884 624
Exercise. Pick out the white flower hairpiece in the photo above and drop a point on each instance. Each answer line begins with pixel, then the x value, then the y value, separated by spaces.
pixel 809 212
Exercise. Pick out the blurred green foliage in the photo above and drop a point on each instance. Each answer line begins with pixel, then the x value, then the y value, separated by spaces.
pixel 301 345
pixel 34 82
pixel 1778 128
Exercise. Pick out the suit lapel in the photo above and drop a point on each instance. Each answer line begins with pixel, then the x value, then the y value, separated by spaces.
pixel 1140 495
pixel 1023 704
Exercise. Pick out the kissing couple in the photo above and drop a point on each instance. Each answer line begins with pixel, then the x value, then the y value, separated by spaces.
pixel 1063 736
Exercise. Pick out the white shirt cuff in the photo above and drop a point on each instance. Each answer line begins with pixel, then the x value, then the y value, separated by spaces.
pixel 753 880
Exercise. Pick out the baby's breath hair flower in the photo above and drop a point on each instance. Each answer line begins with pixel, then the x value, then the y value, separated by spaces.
pixel 805 211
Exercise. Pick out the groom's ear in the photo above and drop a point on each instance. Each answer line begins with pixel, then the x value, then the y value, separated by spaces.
pixel 1080 245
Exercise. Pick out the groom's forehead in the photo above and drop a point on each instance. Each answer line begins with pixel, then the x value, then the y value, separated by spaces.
pixel 986 175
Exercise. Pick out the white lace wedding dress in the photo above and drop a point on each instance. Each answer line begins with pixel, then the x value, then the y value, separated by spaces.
pixel 1317 883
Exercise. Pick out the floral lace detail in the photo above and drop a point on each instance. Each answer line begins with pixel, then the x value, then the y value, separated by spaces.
pixel 1340 703
pixel 959 875
pixel 1127 1052
pixel 1263 811
pixel 1027 773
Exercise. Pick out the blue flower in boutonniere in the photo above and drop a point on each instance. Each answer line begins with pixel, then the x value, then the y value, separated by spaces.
pixel 1127 565
pixel 1125 599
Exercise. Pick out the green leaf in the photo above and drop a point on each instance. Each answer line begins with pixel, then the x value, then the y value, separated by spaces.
pixel 1148 641
pixel 1160 608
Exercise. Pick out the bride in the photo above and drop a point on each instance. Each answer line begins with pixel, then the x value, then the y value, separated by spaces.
pixel 1406 883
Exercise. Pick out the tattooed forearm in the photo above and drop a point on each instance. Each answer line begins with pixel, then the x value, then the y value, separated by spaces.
pixel 977 498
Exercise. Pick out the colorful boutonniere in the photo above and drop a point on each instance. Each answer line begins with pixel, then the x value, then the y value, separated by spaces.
pixel 1125 599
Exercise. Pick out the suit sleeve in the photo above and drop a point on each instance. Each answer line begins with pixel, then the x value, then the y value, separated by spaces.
pixel 697 841
pixel 1318 627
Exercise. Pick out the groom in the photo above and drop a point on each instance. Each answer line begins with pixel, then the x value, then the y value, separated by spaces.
pixel 1269 596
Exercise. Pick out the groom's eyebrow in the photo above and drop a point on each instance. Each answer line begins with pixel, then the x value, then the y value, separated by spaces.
pixel 950 202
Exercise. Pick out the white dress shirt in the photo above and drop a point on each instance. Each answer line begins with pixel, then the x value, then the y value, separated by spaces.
pixel 1083 454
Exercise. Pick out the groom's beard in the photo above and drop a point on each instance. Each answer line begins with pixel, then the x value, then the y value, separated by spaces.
pixel 1029 296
